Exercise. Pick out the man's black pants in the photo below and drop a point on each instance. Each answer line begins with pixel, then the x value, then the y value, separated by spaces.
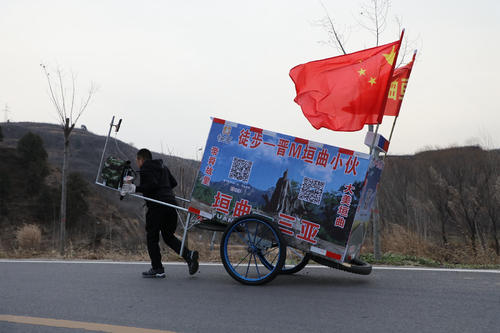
pixel 161 219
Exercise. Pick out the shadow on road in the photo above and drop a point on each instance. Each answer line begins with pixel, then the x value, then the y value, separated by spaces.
pixel 307 278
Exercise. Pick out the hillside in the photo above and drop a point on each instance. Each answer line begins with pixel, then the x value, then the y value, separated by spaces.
pixel 85 149
pixel 443 203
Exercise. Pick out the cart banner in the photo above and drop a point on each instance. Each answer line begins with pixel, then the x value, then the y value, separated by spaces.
pixel 311 190
pixel 369 191
pixel 365 208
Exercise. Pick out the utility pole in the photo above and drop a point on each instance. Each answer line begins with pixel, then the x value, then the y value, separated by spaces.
pixel 6 113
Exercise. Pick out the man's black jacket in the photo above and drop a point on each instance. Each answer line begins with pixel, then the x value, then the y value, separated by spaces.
pixel 156 182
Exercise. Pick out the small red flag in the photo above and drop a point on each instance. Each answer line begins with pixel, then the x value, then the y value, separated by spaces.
pixel 342 93
pixel 397 89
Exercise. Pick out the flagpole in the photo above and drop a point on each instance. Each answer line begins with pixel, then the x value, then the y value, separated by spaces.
pixel 390 135
pixel 381 112
pixel 396 118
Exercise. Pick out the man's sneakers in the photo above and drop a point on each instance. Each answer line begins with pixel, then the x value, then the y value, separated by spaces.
pixel 192 261
pixel 154 273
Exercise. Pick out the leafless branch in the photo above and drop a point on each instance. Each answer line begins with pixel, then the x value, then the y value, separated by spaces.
pixel 73 80
pixel 330 27
pixel 59 98
pixel 53 97
pixel 375 12
pixel 63 99
pixel 85 103
pixel 406 45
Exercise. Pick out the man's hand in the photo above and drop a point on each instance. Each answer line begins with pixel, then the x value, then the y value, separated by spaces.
pixel 126 189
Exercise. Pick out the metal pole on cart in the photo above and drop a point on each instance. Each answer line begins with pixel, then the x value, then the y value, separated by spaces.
pixel 392 131
pixel 396 118
pixel 376 236
pixel 185 225
pixel 117 126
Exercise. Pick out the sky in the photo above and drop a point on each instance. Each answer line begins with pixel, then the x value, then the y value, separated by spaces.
pixel 166 67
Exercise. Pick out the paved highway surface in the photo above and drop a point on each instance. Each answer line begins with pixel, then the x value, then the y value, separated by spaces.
pixel 88 296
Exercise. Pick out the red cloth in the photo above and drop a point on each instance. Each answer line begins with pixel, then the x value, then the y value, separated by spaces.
pixel 342 93
pixel 397 89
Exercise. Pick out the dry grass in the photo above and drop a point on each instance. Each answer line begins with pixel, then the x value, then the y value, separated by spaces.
pixel 396 239
pixel 396 242
pixel 29 237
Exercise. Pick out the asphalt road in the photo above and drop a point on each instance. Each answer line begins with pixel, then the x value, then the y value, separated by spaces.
pixel 318 299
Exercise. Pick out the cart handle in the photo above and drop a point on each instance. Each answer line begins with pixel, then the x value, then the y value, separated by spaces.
pixel 149 199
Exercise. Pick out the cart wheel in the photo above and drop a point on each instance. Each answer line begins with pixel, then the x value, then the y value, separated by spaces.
pixel 355 266
pixel 296 260
pixel 252 250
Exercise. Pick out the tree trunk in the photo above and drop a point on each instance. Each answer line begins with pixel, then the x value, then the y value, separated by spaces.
pixel 492 217
pixel 495 238
pixel 480 235
pixel 473 240
pixel 443 232
pixel 62 235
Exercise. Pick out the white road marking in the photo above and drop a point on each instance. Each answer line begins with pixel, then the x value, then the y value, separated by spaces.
pixel 174 263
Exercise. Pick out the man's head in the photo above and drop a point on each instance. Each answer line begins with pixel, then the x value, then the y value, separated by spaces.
pixel 143 155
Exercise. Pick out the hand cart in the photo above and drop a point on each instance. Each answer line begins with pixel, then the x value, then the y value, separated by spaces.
pixel 280 201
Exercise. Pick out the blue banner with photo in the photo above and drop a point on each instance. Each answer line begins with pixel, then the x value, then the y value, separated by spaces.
pixel 310 189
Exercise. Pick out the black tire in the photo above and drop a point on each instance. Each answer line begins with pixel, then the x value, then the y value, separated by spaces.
pixel 355 266
pixel 252 250
pixel 360 267
pixel 296 260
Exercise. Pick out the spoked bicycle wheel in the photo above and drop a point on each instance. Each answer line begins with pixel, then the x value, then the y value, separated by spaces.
pixel 252 250
pixel 296 260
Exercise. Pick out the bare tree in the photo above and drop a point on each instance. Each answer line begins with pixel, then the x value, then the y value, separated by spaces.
pixel 494 214
pixel 443 197
pixel 490 193
pixel 184 170
pixel 69 112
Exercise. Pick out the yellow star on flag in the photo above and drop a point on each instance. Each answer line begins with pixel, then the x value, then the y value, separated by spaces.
pixel 362 71
pixel 372 81
pixel 390 56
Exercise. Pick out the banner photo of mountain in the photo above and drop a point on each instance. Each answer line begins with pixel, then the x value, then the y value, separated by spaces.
pixel 311 190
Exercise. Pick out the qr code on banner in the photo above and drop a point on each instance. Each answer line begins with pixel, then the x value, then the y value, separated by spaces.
pixel 240 169
pixel 311 190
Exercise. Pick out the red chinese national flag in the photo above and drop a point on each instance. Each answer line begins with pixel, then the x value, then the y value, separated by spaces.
pixel 342 93
pixel 397 89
